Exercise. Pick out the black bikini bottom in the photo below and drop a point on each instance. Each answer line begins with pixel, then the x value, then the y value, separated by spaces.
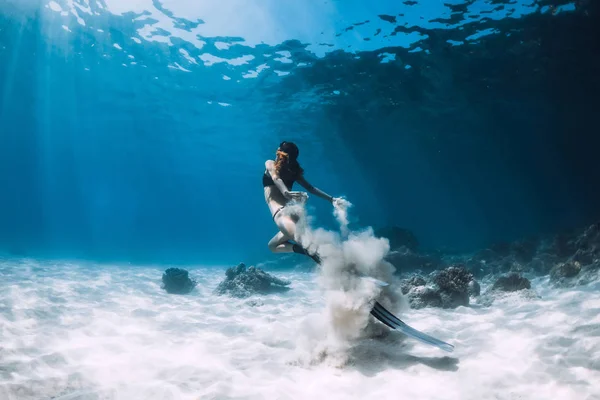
pixel 277 212
pixel 294 217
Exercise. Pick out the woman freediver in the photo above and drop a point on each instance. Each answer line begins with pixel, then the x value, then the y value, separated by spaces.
pixel 278 181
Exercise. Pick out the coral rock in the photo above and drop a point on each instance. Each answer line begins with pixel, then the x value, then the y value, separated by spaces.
pixel 565 270
pixel 177 281
pixel 423 296
pixel 511 283
pixel 243 282
pixel 453 284
pixel 414 281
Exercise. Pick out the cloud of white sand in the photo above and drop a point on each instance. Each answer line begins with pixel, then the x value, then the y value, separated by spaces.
pixel 346 257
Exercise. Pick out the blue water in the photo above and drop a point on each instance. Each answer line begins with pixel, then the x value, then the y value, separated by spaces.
pixel 128 133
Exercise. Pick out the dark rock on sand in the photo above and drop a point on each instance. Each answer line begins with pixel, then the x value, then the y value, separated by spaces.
pixel 511 283
pixel 568 269
pixel 447 288
pixel 571 274
pixel 177 281
pixel 243 282
pixel 423 296
pixel 419 294
pixel 453 286
pixel 412 282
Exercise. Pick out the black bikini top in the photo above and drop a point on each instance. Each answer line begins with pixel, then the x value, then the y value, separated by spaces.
pixel 287 176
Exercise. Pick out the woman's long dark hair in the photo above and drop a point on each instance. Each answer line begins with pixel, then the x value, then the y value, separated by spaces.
pixel 286 162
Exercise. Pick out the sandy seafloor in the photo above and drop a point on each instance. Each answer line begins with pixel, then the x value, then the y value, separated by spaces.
pixel 84 331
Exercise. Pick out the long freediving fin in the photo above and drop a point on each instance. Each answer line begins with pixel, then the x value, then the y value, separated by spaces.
pixel 393 322
pixel 375 281
pixel 389 319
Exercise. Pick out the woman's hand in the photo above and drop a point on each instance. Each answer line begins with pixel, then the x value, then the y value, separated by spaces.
pixel 297 196
pixel 340 202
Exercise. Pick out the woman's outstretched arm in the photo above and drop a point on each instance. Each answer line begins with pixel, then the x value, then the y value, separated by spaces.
pixel 317 192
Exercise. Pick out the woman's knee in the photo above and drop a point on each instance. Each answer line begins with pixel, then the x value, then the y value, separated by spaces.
pixel 273 245
pixel 287 226
pixel 276 241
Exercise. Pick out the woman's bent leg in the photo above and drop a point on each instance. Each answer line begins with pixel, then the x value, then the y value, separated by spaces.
pixel 280 243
